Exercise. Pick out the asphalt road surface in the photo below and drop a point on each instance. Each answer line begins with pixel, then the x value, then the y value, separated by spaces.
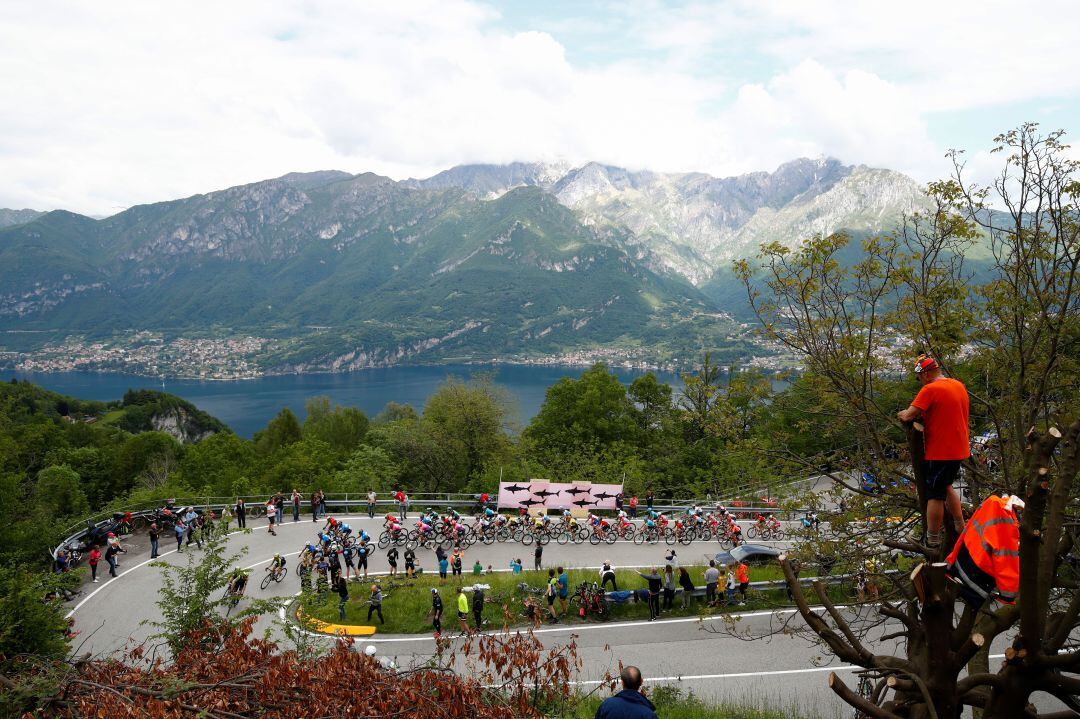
pixel 712 658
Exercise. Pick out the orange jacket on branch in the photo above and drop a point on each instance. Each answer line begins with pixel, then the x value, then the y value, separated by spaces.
pixel 986 557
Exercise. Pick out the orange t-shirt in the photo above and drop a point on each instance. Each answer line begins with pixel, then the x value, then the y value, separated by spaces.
pixel 944 404
pixel 742 573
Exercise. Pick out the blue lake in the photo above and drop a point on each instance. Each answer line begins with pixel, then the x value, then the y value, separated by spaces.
pixel 247 405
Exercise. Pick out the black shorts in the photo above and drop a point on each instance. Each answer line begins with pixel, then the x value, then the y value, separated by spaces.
pixel 940 475
pixel 551 600
pixel 462 615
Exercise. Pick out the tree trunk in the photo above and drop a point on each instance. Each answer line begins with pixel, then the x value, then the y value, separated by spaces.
pixel 979 664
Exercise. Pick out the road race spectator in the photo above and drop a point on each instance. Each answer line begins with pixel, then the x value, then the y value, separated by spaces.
pixel 669 586
pixel 551 592
pixel 655 584
pixel 226 518
pixel 322 503
pixel 477 569
pixel 95 557
pixel 942 404
pixel 241 513
pixel 342 587
pixel 478 608
pixel 538 555
pixel 391 559
pixel 649 498
pixel 400 497
pixel 155 535
pixel 111 550
pixel 410 563
pixel 515 566
pixel 712 578
pixel 279 507
pixel 180 528
pixel 456 561
pixel 687 585
pixel 742 574
pixel 296 497
pixel 630 703
pixel 372 499
pixel 314 506
pixel 564 588
pixel 375 603
pixel 463 610
pixel 607 574
pixel 440 554
pixel 730 586
pixel 436 611
pixel 271 516
pixel 633 507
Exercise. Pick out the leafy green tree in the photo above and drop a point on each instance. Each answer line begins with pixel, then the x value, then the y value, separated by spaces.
pixel 367 468
pixel 137 454
pixel 652 399
pixel 217 463
pixel 29 625
pixel 192 601
pixel 343 428
pixel 592 412
pixel 469 417
pixel 283 430
pixel 395 412
pixel 304 465
pixel 58 493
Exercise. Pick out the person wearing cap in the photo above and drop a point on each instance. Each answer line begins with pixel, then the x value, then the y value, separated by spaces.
pixel 942 405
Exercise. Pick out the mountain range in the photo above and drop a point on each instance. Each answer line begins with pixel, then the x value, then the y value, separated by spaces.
pixel 517 262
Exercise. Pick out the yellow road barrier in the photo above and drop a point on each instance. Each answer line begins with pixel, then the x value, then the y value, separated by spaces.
pixel 341 630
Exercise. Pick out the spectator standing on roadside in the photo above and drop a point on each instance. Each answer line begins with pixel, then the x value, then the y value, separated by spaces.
pixel 375 605
pixel 538 555
pixel 279 507
pixel 241 513
pixel 440 555
pixel 463 610
pixel 607 574
pixel 712 578
pixel 155 535
pixel 179 528
pixel 456 561
pixel 551 592
pixel 322 503
pixel 669 586
pixel 687 585
pixel 633 507
pixel 271 516
pixel 111 550
pixel 391 559
pixel 478 608
pixel 564 588
pixel 296 497
pixel 226 518
pixel 942 404
pixel 630 703
pixel 618 502
pixel 410 563
pixel 399 497
pixel 436 611
pixel 742 574
pixel 95 557
pixel 342 587
pixel 314 506
pixel 515 566
pixel 649 499
pixel 730 585
pixel 655 583
pixel 372 499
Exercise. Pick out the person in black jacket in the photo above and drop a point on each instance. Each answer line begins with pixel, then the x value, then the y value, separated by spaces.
pixel 436 610
pixel 240 510
pixel 478 608
pixel 630 703
pixel 655 583
pixel 342 587
pixel 687 585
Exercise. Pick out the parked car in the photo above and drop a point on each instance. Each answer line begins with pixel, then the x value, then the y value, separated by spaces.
pixel 749 553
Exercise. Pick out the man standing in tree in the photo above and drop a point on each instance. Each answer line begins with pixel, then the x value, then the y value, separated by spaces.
pixel 942 405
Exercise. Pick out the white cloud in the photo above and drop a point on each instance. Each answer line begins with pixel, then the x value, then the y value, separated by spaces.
pixel 112 104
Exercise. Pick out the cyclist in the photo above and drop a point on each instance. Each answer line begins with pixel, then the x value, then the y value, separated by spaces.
pixel 346 530
pixel 364 537
pixel 331 524
pixel 488 513
pixel 237 583
pixel 277 564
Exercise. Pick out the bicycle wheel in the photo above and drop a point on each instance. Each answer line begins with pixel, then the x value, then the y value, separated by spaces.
pixel 610 537
pixel 594 539
pixel 543 538
pixel 669 537
pixel 138 522
pixel 752 532
pixel 687 537
pixel 779 535
pixel 527 538
pixel 384 540
pixel 640 538
pixel 267 579
pixel 563 538
pixel 629 532
pixel 724 541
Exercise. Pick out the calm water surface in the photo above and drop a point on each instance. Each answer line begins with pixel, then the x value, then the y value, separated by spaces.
pixel 247 405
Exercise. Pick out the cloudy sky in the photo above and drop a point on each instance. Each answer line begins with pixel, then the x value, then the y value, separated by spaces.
pixel 109 104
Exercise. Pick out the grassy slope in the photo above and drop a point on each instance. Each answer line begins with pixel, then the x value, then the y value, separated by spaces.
pixel 406 607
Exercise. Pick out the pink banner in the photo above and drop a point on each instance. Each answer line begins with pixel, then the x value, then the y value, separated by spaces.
pixel 557 495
